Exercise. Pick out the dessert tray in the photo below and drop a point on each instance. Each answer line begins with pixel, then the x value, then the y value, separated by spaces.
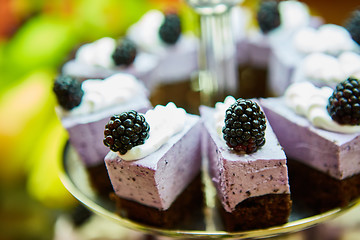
pixel 74 176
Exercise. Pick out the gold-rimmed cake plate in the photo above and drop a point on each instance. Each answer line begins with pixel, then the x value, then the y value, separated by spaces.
pixel 75 178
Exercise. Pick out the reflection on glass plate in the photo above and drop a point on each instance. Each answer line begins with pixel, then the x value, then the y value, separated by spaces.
pixel 75 178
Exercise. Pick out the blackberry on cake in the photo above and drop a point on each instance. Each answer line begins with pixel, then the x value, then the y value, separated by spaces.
pixel 268 15
pixel 317 140
pixel 108 56
pixel 68 92
pixel 252 184
pixel 245 126
pixel 160 33
pixel 125 131
pixel 124 53
pixel 158 181
pixel 170 29
pixel 101 98
pixel 344 103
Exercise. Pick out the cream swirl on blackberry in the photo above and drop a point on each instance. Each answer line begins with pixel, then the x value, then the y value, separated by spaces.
pixel 101 94
pixel 309 101
pixel 164 122
pixel 97 53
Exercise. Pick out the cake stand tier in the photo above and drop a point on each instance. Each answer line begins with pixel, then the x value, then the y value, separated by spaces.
pixel 74 176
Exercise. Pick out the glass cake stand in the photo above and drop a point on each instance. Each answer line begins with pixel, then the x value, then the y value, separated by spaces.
pixel 75 178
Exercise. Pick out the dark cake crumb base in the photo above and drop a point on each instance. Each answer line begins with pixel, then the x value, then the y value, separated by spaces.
pixel 258 212
pixel 186 210
pixel 320 192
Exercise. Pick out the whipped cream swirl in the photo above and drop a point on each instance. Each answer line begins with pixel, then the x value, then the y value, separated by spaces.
pixel 310 101
pixel 293 14
pixel 145 32
pixel 98 53
pixel 328 38
pixel 219 115
pixel 329 69
pixel 100 94
pixel 165 122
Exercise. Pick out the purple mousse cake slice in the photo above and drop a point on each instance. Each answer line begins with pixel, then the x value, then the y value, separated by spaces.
pixel 107 56
pixel 162 187
pixel 252 187
pixel 84 108
pixel 315 140
pixel 101 98
pixel 161 34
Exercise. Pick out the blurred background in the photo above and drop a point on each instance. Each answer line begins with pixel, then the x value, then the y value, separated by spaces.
pixel 36 38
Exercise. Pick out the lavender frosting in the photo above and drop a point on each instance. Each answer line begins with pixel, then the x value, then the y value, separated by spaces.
pixel 238 177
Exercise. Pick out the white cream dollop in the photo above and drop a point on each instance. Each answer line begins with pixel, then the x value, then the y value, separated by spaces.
pixel 328 38
pixel 219 115
pixel 350 62
pixel 100 94
pixel 164 122
pixel 145 32
pixel 323 67
pixel 97 53
pixel 330 69
pixel 310 101
pixel 293 14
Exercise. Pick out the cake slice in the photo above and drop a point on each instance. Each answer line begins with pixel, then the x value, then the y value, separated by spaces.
pixel 159 182
pixel 108 56
pixel 307 132
pixel 162 34
pixel 84 108
pixel 252 187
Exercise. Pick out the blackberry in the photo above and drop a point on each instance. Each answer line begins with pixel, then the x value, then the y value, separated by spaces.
pixel 353 26
pixel 170 29
pixel 268 16
pixel 124 53
pixel 245 126
pixel 125 131
pixel 344 104
pixel 68 92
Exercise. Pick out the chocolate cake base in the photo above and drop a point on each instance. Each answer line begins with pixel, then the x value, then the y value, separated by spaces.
pixel 258 212
pixel 185 212
pixel 252 82
pixel 99 179
pixel 319 192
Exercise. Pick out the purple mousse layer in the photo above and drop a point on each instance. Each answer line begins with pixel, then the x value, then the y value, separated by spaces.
pixel 335 154
pixel 142 68
pixel 86 132
pixel 259 50
pixel 240 176
pixel 177 63
pixel 156 180
pixel 282 62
